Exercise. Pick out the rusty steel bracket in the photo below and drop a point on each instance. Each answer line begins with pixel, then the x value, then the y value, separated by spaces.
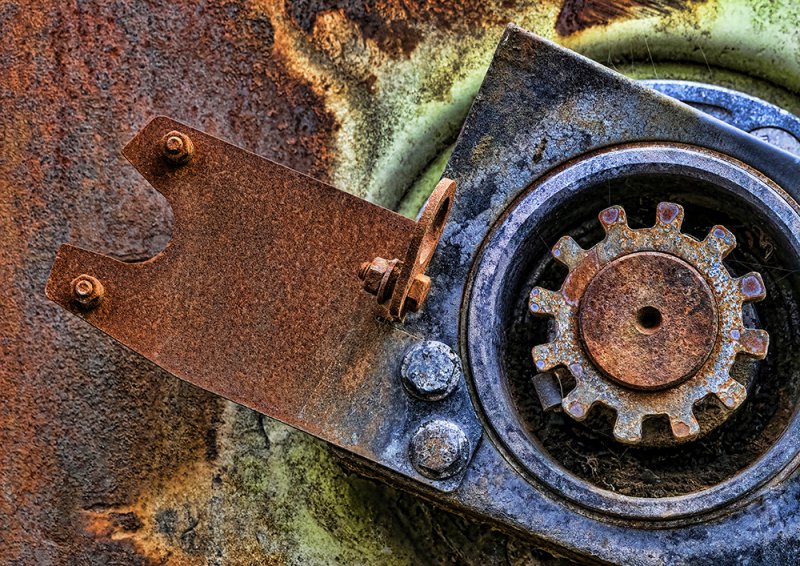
pixel 255 297
pixel 403 285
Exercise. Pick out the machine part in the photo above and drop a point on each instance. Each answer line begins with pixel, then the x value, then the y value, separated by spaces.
pixel 319 108
pixel 748 113
pixel 403 284
pixel 542 114
pixel 701 175
pixel 548 389
pixel 87 291
pixel 178 147
pixel 550 176
pixel 649 322
pixel 430 370
pixel 439 449
pixel 264 254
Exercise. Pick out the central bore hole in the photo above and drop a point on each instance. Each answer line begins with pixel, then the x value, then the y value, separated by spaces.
pixel 648 320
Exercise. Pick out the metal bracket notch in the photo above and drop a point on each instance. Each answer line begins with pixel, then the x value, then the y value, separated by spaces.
pixel 256 297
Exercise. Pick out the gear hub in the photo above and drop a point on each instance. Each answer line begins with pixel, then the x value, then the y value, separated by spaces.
pixel 649 322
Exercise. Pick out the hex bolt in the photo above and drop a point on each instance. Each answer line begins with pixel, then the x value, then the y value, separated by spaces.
pixel 430 370
pixel 177 147
pixel 439 449
pixel 379 277
pixel 87 291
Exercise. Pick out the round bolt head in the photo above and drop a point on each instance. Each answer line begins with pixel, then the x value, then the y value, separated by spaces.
pixel 430 370
pixel 439 449
pixel 177 147
pixel 87 291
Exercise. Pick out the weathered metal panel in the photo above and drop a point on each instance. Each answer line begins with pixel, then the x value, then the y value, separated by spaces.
pixel 105 458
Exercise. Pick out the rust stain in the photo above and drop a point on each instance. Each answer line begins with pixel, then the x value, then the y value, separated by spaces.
pixel 578 15
pixel 83 423
pixel 396 26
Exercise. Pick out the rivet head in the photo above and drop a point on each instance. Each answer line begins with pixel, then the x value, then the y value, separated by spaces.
pixel 87 291
pixel 177 147
pixel 439 449
pixel 430 370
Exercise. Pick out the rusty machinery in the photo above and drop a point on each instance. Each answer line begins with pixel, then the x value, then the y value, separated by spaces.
pixel 464 357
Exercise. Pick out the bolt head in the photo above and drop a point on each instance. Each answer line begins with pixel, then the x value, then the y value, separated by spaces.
pixel 372 274
pixel 177 147
pixel 439 449
pixel 87 291
pixel 430 370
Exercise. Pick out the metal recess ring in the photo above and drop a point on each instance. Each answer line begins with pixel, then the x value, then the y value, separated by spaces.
pixel 644 310
pixel 510 257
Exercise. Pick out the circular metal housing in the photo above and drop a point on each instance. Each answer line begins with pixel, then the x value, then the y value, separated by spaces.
pixel 502 268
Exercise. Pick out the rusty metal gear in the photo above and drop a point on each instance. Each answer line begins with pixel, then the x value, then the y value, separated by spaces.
pixel 649 322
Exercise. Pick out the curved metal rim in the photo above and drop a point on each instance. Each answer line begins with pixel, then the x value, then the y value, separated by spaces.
pixel 738 105
pixel 495 263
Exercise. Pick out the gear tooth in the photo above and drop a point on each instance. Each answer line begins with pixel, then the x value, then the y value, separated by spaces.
pixel 720 241
pixel 545 356
pixel 543 302
pixel 613 216
pixel 684 426
pixel 669 214
pixel 628 428
pixel 576 370
pixel 731 393
pixel 576 405
pixel 753 342
pixel 751 287
pixel 568 252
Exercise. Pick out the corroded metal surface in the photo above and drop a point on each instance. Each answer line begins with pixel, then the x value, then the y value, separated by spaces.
pixel 521 175
pixel 402 286
pixel 648 320
pixel 104 456
pixel 255 297
pixel 681 343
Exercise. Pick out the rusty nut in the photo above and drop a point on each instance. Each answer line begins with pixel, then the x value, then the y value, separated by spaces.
pixel 177 147
pixel 379 277
pixel 418 292
pixel 87 291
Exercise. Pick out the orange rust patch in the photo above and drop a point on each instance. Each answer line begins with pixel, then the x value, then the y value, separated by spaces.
pixel 578 15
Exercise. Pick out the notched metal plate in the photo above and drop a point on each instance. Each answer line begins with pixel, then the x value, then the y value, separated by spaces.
pixel 256 297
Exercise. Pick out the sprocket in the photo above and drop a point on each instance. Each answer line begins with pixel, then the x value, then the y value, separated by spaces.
pixel 649 322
